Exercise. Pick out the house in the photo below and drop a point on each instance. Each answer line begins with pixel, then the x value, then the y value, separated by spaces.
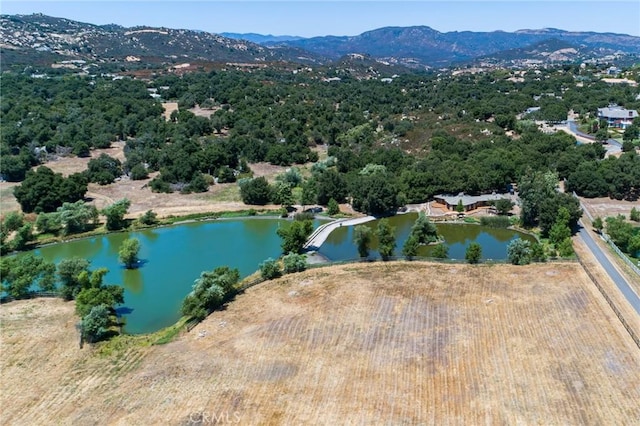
pixel 617 116
pixel 469 202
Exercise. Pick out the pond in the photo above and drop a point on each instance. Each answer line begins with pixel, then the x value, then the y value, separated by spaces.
pixel 340 243
pixel 173 257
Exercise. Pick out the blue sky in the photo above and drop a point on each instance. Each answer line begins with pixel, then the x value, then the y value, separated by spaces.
pixel 315 18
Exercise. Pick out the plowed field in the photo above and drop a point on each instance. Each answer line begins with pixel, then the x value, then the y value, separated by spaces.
pixel 394 343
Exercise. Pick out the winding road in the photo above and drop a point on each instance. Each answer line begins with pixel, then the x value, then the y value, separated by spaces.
pixel 618 279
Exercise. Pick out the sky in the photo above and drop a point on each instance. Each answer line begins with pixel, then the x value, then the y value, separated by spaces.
pixel 308 18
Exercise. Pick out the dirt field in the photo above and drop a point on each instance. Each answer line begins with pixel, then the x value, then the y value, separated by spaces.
pixel 219 198
pixel 396 343
pixel 605 206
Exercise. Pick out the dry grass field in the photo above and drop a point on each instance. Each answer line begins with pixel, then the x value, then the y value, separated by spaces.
pixel 384 343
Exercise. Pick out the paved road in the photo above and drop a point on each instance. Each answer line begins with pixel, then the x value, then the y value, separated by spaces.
pixel 622 284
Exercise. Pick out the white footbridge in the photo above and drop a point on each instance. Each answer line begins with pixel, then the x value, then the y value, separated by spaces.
pixel 322 232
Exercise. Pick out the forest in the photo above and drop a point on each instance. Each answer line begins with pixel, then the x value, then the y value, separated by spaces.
pixel 388 143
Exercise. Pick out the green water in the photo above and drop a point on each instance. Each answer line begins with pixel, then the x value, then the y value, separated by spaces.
pixel 340 243
pixel 173 258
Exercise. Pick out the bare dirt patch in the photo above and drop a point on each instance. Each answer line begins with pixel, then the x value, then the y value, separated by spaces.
pixel 410 343
pixel 605 206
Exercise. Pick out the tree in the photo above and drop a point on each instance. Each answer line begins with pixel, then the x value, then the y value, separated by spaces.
pixel 148 218
pixel 375 193
pixel 538 253
pixel 44 191
pixel 210 291
pixel 104 169
pixel 598 225
pixel 128 253
pixel 386 239
pixel 270 269
pixel 95 325
pixel 519 252
pixel 620 231
pixel 410 247
pixel 95 293
pixel 295 236
pixel 255 191
pixel 424 230
pixel 473 252
pixel 503 206
pixel 115 214
pixel 362 237
pixel 460 207
pixel 21 274
pixel 294 263
pixel 634 215
pixel 76 217
pixel 440 251
pixel 69 273
pixel 332 207
pixel 330 184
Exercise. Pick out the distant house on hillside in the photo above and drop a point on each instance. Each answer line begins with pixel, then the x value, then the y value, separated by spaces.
pixel 617 116
pixel 469 202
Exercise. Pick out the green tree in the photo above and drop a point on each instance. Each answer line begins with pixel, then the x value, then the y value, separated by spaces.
pixel 598 225
pixel 95 325
pixel 148 218
pixel 20 274
pixel 538 253
pixel 255 191
pixel 460 207
pixel 210 291
pixel 424 230
pixel 332 207
pixel 95 293
pixel 128 253
pixel 634 215
pixel 503 206
pixel 270 269
pixel 104 169
pixel 48 223
pixel 115 214
pixel 294 263
pixel 565 248
pixel 295 236
pixel 620 231
pixel 473 253
pixel 386 239
pixel 440 251
pixel 362 237
pixel 13 221
pixel 519 252
pixel 76 217
pixel 23 236
pixel 410 247
pixel 44 191
pixel 69 273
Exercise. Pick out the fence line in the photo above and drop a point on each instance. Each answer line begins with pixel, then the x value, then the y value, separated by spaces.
pixel 30 295
pixel 608 240
pixel 615 309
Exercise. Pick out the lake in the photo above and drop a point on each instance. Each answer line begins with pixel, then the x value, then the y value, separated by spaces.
pixel 173 257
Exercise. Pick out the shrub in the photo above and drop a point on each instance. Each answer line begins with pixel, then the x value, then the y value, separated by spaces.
pixel 270 269
pixel 294 263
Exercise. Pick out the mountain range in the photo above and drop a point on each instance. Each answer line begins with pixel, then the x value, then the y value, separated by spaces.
pixel 44 39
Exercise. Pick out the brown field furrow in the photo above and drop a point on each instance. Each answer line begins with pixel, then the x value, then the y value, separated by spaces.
pixel 354 344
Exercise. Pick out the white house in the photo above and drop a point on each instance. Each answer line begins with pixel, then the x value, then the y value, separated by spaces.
pixel 617 116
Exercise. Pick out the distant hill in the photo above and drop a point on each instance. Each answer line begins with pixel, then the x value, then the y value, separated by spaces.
pixel 259 38
pixel 425 46
pixel 38 38
pixel 41 39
